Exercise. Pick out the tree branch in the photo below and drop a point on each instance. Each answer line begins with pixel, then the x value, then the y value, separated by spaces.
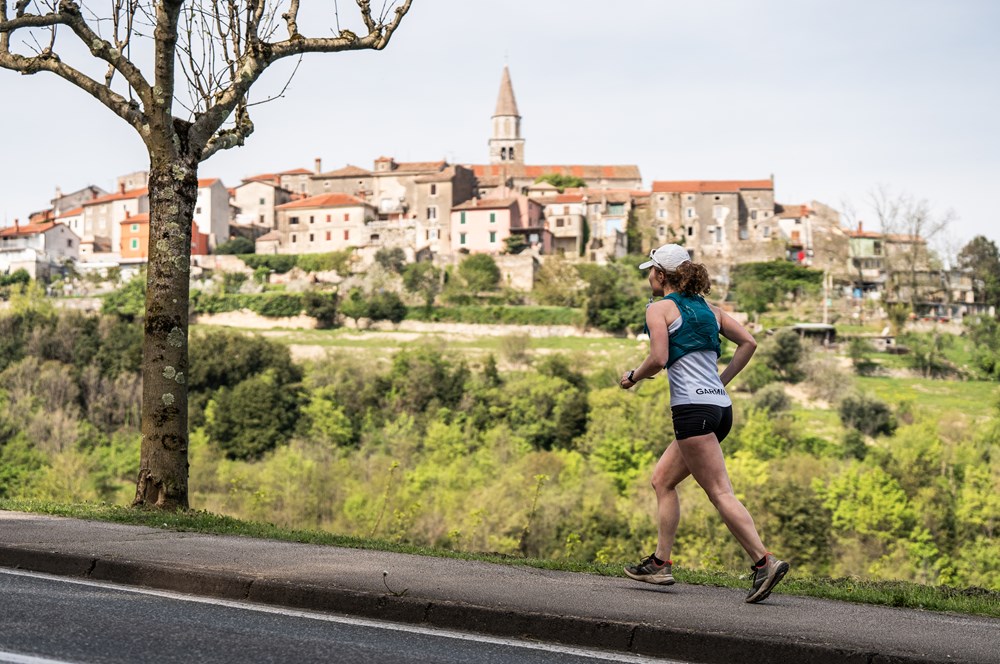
pixel 255 61
pixel 128 111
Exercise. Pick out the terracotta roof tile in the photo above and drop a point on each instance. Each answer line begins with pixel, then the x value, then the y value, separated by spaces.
pixel 324 201
pixel 706 186
pixel 136 219
pixel 75 212
pixel 27 229
pixel 598 172
pixel 346 171
pixel 120 196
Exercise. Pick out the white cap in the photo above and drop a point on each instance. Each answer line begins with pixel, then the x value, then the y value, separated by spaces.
pixel 667 258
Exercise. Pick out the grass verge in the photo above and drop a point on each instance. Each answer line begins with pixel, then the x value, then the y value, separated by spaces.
pixel 975 601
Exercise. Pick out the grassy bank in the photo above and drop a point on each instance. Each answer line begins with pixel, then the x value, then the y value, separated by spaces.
pixel 976 601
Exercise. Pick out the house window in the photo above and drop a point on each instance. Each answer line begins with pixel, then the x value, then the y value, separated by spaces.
pixel 427 235
pixel 347 235
pixel 462 218
pixel 329 236
pixel 262 219
pixel 662 231
pixel 661 214
pixel 690 197
pixel 312 219
pixel 434 190
pixel 347 216
pixel 329 218
pixel 261 201
pixel 295 238
pixel 690 231
pixel 197 210
pixel 461 238
pixel 753 214
pixel 493 236
pixel 326 184
pixel 767 231
pixel 373 237
pixel 69 243
pixel 661 198
pixel 565 209
pixel 311 237
pixel 434 234
pixel 293 220
pixel 135 243
pixel 493 217
pixel 432 212
pixel 135 228
pixel 718 212
pixel 690 213
pixel 559 222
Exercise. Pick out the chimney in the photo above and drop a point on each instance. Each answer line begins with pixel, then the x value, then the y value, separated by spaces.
pixel 860 229
pixel 121 187
pixel 319 165
pixel 17 225
pixel 127 214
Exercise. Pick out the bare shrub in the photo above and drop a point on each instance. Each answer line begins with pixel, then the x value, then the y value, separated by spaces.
pixel 825 377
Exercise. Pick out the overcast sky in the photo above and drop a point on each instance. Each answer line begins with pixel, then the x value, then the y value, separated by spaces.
pixel 832 98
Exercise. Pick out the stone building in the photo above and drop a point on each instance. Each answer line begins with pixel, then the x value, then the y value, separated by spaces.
pixel 720 222
pixel 814 237
pixel 320 224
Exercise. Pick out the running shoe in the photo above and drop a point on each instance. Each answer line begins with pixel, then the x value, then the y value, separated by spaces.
pixel 766 578
pixel 649 572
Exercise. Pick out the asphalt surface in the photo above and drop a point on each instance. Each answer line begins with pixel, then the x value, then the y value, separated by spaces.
pixel 101 623
pixel 690 623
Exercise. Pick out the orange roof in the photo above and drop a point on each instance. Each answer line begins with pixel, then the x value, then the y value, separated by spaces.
pixel 27 229
pixel 136 219
pixel 419 165
pixel 296 171
pixel 705 186
pixel 75 212
pixel 324 201
pixel 120 196
pixel 206 182
pixel 561 198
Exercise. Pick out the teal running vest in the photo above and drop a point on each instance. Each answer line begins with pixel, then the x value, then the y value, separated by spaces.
pixel 699 328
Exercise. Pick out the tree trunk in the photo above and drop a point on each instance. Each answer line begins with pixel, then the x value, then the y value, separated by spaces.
pixel 163 466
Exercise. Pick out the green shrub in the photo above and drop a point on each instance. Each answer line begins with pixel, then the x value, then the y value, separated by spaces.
pixel 335 261
pixel 279 263
pixel 129 301
pixel 480 272
pixel 277 306
pixel 386 305
pixel 499 315
pixel 238 245
pixel 869 415
pixel 322 306
pixel 254 417
pixel 771 399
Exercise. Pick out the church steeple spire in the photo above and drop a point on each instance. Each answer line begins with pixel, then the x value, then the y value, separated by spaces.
pixel 506 104
pixel 506 144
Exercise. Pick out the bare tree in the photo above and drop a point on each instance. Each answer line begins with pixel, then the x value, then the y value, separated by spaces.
pixel 220 48
pixel 908 227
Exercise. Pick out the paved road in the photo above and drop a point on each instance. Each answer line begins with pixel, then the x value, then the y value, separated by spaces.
pixel 683 622
pixel 64 620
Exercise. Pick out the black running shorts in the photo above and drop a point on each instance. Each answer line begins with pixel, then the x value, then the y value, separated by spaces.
pixel 698 419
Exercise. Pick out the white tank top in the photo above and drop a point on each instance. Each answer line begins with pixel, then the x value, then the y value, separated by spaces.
pixel 694 378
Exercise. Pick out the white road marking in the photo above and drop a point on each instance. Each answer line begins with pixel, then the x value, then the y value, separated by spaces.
pixel 344 620
pixel 15 658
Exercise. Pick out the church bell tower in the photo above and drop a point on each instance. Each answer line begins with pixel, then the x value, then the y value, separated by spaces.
pixel 506 144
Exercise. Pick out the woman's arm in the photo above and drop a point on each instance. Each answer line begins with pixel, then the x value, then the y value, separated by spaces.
pixel 657 323
pixel 745 346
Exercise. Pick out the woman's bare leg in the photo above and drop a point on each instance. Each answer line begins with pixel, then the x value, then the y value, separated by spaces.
pixel 702 456
pixel 669 472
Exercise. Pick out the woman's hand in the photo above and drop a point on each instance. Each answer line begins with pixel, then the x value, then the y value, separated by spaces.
pixel 627 380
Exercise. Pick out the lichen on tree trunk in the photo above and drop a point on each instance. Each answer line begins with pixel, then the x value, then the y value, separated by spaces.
pixel 163 467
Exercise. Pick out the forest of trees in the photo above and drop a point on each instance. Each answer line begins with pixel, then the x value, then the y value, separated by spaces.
pixel 545 459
